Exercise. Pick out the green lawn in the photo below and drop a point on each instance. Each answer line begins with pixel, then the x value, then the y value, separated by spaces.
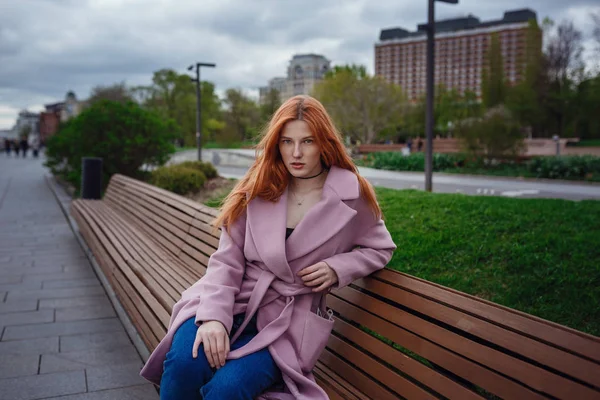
pixel 540 256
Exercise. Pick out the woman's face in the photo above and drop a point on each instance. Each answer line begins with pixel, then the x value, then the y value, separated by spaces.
pixel 299 151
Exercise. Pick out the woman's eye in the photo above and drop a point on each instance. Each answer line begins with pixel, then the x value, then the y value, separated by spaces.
pixel 308 141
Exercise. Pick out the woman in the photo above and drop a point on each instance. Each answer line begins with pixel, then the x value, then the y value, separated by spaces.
pixel 301 222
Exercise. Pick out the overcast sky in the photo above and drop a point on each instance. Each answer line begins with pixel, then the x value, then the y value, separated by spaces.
pixel 48 47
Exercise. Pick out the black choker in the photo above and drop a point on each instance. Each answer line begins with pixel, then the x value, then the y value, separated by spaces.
pixel 310 177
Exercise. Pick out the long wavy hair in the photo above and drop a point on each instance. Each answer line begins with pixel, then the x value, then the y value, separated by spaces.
pixel 268 177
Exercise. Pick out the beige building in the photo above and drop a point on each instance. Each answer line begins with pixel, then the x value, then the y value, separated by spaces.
pixel 460 48
pixel 303 72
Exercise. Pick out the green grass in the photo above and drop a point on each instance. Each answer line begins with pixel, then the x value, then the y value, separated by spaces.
pixel 589 143
pixel 540 256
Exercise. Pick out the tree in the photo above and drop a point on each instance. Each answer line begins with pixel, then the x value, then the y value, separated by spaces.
pixel 494 135
pixel 362 106
pixel 242 115
pixel 173 96
pixel 117 92
pixel 596 35
pixel 565 71
pixel 270 105
pixel 124 135
pixel 493 87
pixel 527 98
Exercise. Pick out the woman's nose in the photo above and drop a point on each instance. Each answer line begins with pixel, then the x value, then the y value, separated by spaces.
pixel 297 151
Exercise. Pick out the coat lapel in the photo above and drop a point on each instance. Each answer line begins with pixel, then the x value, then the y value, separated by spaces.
pixel 327 217
pixel 266 221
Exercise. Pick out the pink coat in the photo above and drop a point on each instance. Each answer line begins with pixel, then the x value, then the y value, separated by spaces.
pixel 254 271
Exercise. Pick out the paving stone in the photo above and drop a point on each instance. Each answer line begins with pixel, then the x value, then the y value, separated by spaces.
pixel 17 278
pixel 56 293
pixel 25 270
pixel 42 386
pixel 30 346
pixel 17 306
pixel 99 300
pixel 110 377
pixel 60 274
pixel 71 283
pixel 11 287
pixel 61 328
pixel 2 296
pixel 106 341
pixel 141 392
pixel 23 365
pixel 85 312
pixel 24 318
pixel 75 360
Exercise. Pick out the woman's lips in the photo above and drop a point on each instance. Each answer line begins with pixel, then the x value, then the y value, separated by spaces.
pixel 297 165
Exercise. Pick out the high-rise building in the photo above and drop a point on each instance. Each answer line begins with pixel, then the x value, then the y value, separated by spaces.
pixel 303 72
pixel 460 50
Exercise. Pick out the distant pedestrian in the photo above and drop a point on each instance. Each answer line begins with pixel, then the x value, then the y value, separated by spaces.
pixel 7 146
pixel 35 146
pixel 419 144
pixel 16 147
pixel 409 143
pixel 24 146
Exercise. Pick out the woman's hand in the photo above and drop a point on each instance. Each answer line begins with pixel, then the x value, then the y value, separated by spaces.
pixel 216 343
pixel 320 275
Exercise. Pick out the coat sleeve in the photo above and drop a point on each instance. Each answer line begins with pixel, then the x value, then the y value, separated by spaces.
pixel 373 248
pixel 220 285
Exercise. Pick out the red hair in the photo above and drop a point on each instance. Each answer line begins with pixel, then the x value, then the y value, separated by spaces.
pixel 268 176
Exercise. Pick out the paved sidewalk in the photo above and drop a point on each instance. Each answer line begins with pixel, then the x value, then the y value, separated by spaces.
pixel 60 336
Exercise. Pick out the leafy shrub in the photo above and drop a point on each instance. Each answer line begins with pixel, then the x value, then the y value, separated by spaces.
pixel 207 168
pixel 566 167
pixel 415 162
pixel 496 134
pixel 178 179
pixel 124 135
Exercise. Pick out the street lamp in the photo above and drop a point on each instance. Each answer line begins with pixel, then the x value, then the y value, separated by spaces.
pixel 430 91
pixel 198 108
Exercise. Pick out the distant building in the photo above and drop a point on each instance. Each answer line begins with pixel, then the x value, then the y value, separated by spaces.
pixel 58 112
pixel 27 121
pixel 460 48
pixel 304 71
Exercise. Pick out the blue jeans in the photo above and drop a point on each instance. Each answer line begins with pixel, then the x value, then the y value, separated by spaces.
pixel 188 378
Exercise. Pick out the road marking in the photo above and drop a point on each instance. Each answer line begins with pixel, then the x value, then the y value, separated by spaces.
pixel 517 193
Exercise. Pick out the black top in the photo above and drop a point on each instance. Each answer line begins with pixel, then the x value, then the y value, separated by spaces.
pixel 288 232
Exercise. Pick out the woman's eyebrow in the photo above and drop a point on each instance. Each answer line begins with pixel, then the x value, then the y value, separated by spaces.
pixel 306 137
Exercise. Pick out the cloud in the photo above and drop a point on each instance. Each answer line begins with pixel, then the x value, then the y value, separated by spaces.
pixel 48 47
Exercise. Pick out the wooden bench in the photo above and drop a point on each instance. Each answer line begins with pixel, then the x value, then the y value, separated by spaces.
pixel 432 342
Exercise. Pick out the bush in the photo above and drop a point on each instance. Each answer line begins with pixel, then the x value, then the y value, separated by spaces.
pixel 178 179
pixel 124 135
pixel 497 134
pixel 415 162
pixel 206 167
pixel 566 167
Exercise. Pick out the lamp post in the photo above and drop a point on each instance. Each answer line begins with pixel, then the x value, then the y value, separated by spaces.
pixel 198 105
pixel 430 91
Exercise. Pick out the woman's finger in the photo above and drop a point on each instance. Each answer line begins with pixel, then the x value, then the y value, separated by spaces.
pixel 196 345
pixel 322 287
pixel 221 349
pixel 208 350
pixel 214 351
pixel 317 281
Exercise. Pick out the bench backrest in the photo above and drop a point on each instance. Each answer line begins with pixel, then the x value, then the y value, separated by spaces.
pixel 429 340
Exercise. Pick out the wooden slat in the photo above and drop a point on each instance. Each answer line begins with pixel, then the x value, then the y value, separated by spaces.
pixel 336 384
pixel 542 353
pixel 123 272
pixel 148 256
pixel 432 351
pixel 393 381
pixel 409 366
pixel 358 379
pixel 534 376
pixel 585 345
